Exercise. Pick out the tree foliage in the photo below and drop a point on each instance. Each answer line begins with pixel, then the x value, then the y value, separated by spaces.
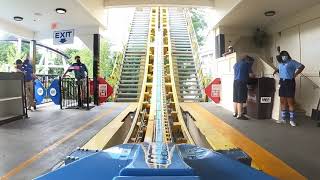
pixel 199 24
pixel 9 53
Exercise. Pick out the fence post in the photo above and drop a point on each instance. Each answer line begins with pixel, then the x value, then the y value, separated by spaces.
pixel 88 84
pixel 60 87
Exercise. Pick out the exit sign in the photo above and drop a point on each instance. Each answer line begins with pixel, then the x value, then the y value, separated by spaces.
pixel 63 37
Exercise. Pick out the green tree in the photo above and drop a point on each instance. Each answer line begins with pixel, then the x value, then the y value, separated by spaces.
pixel 106 61
pixel 199 24
pixel 9 53
pixel 6 50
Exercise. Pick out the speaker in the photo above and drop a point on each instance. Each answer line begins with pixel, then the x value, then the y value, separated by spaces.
pixel 220 45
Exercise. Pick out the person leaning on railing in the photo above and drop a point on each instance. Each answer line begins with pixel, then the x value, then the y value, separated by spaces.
pixel 27 69
pixel 288 70
pixel 80 72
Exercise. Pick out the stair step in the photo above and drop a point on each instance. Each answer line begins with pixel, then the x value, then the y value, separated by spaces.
pixel 127 99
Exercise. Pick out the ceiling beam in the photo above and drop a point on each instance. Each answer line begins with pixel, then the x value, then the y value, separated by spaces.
pixel 96 9
pixel 133 3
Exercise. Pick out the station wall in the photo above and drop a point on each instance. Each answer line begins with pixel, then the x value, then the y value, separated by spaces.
pixel 302 41
pixel 299 34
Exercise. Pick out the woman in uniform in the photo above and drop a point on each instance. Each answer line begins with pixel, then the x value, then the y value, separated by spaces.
pixel 288 70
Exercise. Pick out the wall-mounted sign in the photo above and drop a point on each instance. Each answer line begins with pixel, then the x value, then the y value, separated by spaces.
pixel 103 88
pixel 63 37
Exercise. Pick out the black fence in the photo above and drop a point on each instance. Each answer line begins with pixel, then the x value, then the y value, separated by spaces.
pixel 75 93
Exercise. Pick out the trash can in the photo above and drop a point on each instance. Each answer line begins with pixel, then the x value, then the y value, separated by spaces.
pixel 260 97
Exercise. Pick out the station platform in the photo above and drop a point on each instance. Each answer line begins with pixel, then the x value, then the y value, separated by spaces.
pixel 297 147
pixel 31 147
pixel 52 134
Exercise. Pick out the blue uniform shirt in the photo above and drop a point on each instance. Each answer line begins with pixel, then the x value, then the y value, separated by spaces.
pixel 27 69
pixel 288 69
pixel 79 70
pixel 242 69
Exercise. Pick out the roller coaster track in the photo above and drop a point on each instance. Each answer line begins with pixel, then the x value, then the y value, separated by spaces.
pixel 158 117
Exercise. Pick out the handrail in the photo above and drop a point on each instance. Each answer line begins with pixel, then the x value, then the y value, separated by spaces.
pixel 184 127
pixel 144 85
pixel 41 45
pixel 315 86
pixel 275 68
pixel 116 72
pixel 195 50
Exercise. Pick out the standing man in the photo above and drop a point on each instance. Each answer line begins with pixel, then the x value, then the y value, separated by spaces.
pixel 27 69
pixel 288 70
pixel 80 73
pixel 18 65
pixel 242 72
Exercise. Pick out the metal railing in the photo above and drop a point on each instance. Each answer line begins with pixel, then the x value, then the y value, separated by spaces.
pixel 195 50
pixel 302 75
pixel 75 93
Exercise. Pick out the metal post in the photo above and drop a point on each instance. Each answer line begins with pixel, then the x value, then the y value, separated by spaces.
pixel 19 46
pixel 80 95
pixel 87 94
pixel 60 87
pixel 96 61
pixel 32 58
pixel 33 54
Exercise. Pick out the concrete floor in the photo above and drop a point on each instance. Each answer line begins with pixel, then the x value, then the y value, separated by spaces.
pixel 23 139
pixel 20 140
pixel 298 146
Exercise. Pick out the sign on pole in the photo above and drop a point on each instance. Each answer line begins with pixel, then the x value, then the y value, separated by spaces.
pixel 213 90
pixel 63 37
pixel 103 89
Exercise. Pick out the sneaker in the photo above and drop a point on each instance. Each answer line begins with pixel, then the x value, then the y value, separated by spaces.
pixel 281 121
pixel 293 124
pixel 242 118
pixel 234 114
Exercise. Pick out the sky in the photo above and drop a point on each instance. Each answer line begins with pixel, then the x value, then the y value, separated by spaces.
pixel 119 20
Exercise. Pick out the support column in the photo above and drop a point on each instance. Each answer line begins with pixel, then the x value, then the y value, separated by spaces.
pixel 96 62
pixel 33 54
pixel 19 46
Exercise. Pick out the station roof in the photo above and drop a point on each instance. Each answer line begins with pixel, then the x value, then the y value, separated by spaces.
pixel 250 13
pixel 40 18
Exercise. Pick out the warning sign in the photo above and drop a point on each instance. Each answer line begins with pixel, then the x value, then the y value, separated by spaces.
pixel 213 90
pixel 103 89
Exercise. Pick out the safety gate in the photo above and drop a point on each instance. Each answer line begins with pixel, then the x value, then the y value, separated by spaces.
pixel 75 93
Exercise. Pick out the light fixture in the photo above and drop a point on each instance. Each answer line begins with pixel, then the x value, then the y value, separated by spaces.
pixel 61 10
pixel 270 13
pixel 18 18
pixel 37 14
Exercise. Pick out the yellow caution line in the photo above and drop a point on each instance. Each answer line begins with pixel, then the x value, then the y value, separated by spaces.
pixel 99 141
pixel 265 160
pixel 34 158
